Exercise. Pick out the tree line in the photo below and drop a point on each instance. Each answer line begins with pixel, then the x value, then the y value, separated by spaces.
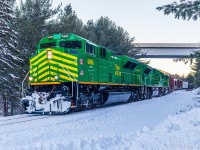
pixel 21 28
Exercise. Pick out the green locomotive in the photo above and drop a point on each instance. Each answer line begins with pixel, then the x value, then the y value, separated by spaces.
pixel 69 72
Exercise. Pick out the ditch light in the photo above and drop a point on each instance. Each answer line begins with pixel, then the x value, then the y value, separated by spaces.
pixel 49 54
pixel 30 78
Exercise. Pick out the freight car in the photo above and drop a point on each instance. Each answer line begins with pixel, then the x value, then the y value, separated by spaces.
pixel 70 72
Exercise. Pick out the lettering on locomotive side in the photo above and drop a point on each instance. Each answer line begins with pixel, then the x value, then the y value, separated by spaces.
pixel 90 62
pixel 117 72
pixel 117 67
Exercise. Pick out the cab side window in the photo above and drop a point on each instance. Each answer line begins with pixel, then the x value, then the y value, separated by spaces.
pixel 103 52
pixel 71 44
pixel 90 49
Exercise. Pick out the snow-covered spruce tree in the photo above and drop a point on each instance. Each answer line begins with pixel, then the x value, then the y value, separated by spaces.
pixel 185 9
pixel 196 69
pixel 9 60
pixel 32 21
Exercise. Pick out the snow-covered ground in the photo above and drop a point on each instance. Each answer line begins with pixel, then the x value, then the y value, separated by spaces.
pixel 171 122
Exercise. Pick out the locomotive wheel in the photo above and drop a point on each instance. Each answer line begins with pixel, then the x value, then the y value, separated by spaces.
pixel 133 97
pixel 93 106
pixel 82 108
pixel 130 99
pixel 105 96
pixel 148 95
pixel 136 96
pixel 141 96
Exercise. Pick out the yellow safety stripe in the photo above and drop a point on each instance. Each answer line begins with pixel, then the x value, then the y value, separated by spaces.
pixel 64 54
pixel 34 58
pixel 33 70
pixel 53 73
pixel 39 67
pixel 64 66
pixel 45 68
pixel 54 51
pixel 70 79
pixel 42 64
pixel 40 60
pixel 45 74
pixel 35 74
pixel 63 71
pixel 65 60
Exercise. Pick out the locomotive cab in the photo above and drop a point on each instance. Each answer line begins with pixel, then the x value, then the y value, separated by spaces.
pixel 67 43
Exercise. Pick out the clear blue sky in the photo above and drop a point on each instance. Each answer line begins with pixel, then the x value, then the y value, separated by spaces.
pixel 140 18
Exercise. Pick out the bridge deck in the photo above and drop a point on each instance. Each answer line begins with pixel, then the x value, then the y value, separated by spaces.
pixel 167 50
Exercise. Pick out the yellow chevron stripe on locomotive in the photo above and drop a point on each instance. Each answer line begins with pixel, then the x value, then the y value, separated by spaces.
pixel 53 66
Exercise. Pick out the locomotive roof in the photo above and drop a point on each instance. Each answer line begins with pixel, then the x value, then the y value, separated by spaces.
pixel 70 35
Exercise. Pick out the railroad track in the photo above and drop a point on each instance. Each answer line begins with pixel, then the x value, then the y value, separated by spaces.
pixel 21 120
pixel 33 117
pixel 30 118
pixel 20 117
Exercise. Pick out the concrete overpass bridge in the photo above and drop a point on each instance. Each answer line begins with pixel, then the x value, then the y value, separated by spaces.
pixel 167 50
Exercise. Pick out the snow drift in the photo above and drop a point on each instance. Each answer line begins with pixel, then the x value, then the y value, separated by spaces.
pixel 164 123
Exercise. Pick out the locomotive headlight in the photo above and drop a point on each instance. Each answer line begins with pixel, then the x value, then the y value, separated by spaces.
pixel 56 77
pixel 30 78
pixel 49 54
pixel 64 36
pixel 50 37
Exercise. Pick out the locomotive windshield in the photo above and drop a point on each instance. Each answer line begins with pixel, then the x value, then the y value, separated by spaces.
pixel 47 45
pixel 71 44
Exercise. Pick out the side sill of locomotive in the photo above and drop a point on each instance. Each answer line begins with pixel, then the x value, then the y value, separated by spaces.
pixel 44 83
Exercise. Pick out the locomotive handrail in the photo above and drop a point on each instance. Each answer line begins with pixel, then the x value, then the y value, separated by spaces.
pixel 70 76
pixel 140 78
pixel 23 83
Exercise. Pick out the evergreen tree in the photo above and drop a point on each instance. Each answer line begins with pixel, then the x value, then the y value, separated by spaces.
pixel 68 22
pixel 196 69
pixel 185 9
pixel 109 35
pixel 9 60
pixel 190 79
pixel 90 31
pixel 25 26
pixel 32 23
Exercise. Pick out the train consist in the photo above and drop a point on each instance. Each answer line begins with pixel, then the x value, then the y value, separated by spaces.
pixel 69 72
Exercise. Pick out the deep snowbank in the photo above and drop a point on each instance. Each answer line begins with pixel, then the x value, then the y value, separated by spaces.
pixel 181 132
pixel 165 123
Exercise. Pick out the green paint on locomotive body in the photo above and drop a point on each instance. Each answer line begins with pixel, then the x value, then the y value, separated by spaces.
pixel 67 57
